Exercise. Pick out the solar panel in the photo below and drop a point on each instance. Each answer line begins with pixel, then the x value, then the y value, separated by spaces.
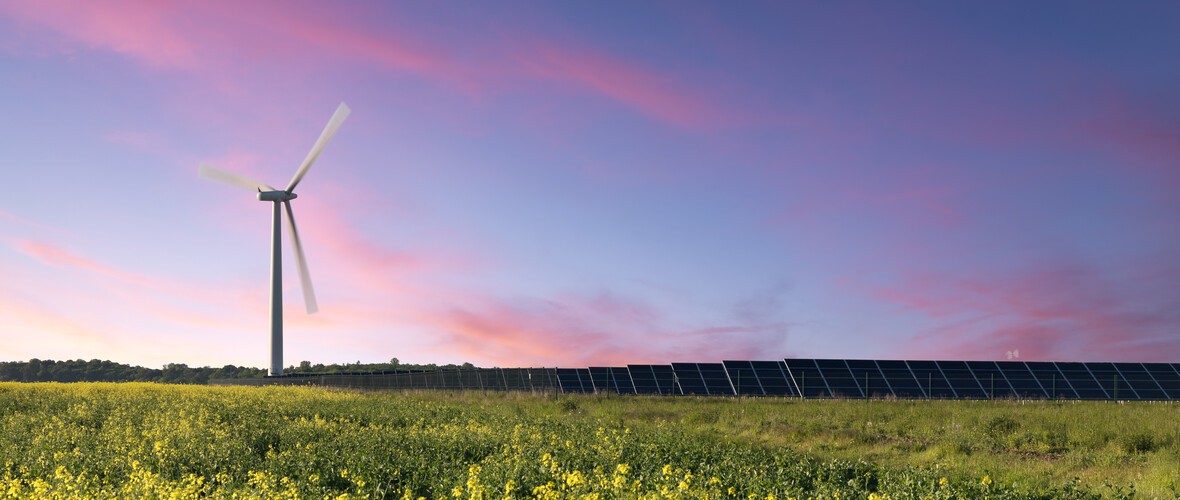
pixel 716 381
pixel 1166 376
pixel 1141 381
pixel 601 380
pixel 929 376
pixel 621 377
pixel 1055 384
pixel 1082 381
pixel 1024 384
pixel 688 376
pixel 611 379
pixel 839 378
pixel 741 375
pixel 823 378
pixel 900 379
pixel 807 378
pixel 866 373
pixel 644 379
pixel 665 379
pixel 587 382
pixel 961 380
pixel 772 376
pixel 994 384
pixel 570 381
pixel 1111 381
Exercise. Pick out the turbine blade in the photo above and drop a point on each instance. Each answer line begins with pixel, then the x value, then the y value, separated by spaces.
pixel 330 130
pixel 217 174
pixel 304 275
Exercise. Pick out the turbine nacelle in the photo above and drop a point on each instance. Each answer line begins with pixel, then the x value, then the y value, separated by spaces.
pixel 276 195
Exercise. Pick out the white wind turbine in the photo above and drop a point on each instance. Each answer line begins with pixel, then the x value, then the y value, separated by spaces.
pixel 283 197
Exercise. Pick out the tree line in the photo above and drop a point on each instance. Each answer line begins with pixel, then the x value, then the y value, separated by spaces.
pixel 95 370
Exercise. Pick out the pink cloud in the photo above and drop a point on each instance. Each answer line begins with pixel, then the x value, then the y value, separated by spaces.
pixel 178 36
pixel 149 295
pixel 53 255
pixel 595 330
pixel 1061 311
pixel 656 95
pixel 140 30
pixel 1144 135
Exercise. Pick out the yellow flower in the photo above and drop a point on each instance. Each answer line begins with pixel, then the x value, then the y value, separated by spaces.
pixel 942 482
pixel 986 481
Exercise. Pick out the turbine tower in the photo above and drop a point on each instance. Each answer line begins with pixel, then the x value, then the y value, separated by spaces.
pixel 281 198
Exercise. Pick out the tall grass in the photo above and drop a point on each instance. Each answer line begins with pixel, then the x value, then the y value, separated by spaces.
pixel 146 440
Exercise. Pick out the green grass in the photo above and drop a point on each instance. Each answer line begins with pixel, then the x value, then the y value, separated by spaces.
pixel 146 440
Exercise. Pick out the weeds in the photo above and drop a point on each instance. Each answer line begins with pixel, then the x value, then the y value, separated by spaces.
pixel 145 440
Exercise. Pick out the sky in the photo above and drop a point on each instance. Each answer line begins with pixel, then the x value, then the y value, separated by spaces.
pixel 593 183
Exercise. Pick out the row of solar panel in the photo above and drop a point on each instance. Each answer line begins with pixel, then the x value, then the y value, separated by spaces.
pixel 827 378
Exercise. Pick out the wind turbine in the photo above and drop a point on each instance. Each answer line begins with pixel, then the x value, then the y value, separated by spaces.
pixel 282 199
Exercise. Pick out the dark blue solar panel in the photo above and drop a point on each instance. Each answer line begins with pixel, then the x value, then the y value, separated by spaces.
pixel 869 377
pixel 665 378
pixel 584 376
pixel 1166 377
pixel 807 378
pixel 745 382
pixel 601 380
pixel 961 380
pixel 1023 383
pixel 823 378
pixel 1144 385
pixel 1112 381
pixel 611 379
pixel 930 378
pixel 688 376
pixel 569 380
pixel 1082 381
pixel 839 378
pixel 621 378
pixel 644 378
pixel 772 376
pixel 992 379
pixel 1052 381
pixel 716 381
pixel 899 377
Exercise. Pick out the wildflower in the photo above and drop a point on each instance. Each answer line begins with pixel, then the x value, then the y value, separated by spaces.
pixel 986 481
pixel 942 482
pixel 574 479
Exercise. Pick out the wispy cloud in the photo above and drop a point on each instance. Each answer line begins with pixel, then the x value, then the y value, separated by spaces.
pixel 1057 311
pixel 600 329
pixel 143 31
pixel 657 95
pixel 178 37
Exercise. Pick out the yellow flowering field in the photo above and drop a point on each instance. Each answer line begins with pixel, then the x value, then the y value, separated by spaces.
pixel 101 440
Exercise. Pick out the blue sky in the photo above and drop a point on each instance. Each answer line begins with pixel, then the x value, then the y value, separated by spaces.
pixel 540 184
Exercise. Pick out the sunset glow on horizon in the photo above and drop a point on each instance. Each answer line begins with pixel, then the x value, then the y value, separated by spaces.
pixel 577 184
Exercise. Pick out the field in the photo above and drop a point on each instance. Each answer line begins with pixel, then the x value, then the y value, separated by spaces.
pixel 145 440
